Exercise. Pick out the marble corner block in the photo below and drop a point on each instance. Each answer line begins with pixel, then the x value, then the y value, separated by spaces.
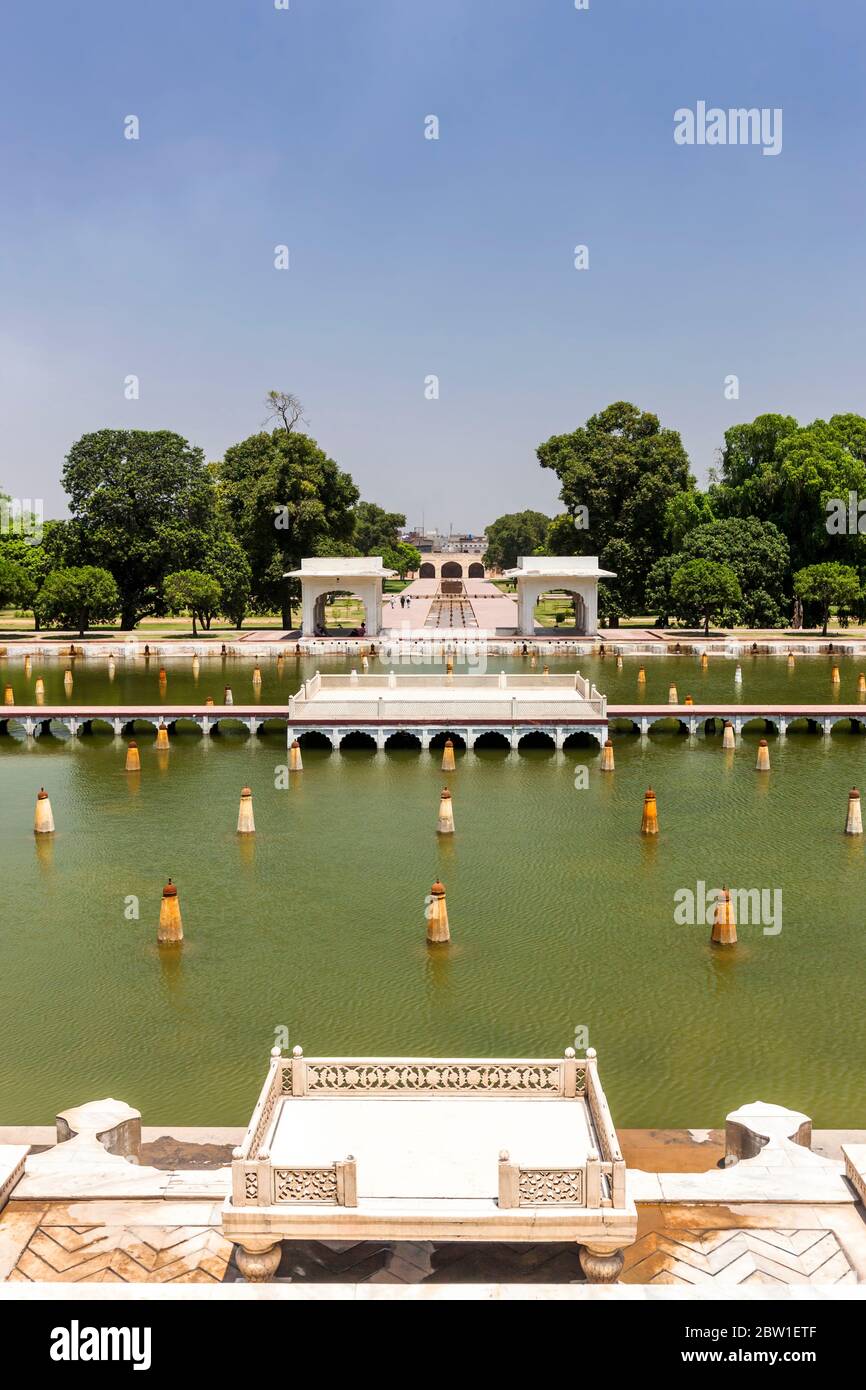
pixel 751 1128
pixel 113 1123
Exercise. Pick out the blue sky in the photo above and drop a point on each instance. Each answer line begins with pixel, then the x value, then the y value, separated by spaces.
pixel 412 257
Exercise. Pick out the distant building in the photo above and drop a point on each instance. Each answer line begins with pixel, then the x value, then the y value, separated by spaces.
pixel 455 543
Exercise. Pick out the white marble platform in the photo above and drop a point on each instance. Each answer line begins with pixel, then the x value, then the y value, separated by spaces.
pixel 419 1147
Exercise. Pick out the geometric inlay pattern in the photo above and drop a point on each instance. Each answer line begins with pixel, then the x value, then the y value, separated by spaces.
pixel 737 1256
pixel 128 1255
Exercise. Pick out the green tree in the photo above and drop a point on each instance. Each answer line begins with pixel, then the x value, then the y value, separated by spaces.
pixel 684 512
pixel 17 586
pixel 376 529
pixel 704 587
pixel 190 591
pixel 285 498
pixel 226 562
pixel 77 597
pixel 59 547
pixel 402 558
pixel 758 554
pixel 828 585
pixel 143 502
pixel 559 537
pixel 659 599
pixel 787 474
pixel 513 535
pixel 624 469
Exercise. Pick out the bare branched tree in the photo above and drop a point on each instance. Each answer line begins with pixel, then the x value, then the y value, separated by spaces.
pixel 283 406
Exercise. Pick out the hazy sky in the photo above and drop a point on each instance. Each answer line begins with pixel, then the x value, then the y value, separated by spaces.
pixel 411 257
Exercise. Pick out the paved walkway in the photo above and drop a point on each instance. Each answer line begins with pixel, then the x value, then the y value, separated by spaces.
pixel 165 1242
pixel 420 594
pixel 492 609
pixel 178 1240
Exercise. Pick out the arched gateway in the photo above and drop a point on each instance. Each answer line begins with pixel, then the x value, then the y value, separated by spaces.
pixel 576 576
pixel 360 576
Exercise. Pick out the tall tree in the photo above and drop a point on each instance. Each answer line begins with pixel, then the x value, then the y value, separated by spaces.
pixel 685 511
pixel 624 468
pixel 190 591
pixel 226 562
pixel 285 407
pixel 143 502
pixel 402 558
pixel 17 587
pixel 376 529
pixel 827 586
pixel 705 588
pixel 77 597
pixel 759 556
pixel 284 497
pixel 788 474
pixel 513 535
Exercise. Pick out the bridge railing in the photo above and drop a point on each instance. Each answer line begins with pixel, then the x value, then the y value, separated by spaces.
pixel 413 679
pixel 444 712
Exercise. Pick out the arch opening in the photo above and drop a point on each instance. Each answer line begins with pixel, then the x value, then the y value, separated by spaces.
pixel 405 740
pixel 185 726
pixel 357 739
pixel 438 740
pixel 669 726
pixel 427 571
pixel 312 738
pixel 451 569
pixel 538 739
pixel 494 740
pixel 340 613
pixel 622 725
pixel 562 610
pixel 759 725
pixel 476 570
pixel 582 739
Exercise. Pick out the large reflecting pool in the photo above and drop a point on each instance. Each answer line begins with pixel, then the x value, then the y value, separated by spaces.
pixel 764 677
pixel 562 915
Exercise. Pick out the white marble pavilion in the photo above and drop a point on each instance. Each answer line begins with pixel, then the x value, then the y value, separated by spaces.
pixel 575 575
pixel 322 576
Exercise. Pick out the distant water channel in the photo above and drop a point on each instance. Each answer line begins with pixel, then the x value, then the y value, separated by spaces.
pixel 562 915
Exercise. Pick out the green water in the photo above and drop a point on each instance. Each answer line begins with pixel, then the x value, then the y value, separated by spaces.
pixel 765 678
pixel 561 913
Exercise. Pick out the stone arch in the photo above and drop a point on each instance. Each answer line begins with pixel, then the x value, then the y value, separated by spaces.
pixel 800 724
pixel 583 738
pixel 565 598
pixel 493 739
pixel 451 569
pixel 668 724
pixel 855 724
pixel 405 739
pixel 187 726
pixel 232 724
pixel 104 721
pixel 321 603
pixel 315 738
pixel 427 571
pixel 537 738
pixel 438 740
pixel 356 738
pixel 621 724
pixel 475 570
pixel 757 724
